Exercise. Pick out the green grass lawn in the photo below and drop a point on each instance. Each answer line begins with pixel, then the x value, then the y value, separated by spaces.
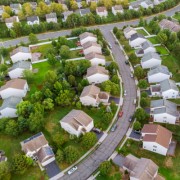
pixel 168 166
pixel 177 101
pixel 141 31
pixel 154 40
pixel 161 50
pixel 177 16
pixel 108 58
pixel 74 54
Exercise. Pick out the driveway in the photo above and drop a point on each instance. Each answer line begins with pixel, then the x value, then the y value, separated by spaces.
pixel 115 99
pixel 52 169
pixel 172 148
pixel 134 135
pixel 119 160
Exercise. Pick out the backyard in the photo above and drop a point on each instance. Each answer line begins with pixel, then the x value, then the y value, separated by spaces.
pixel 154 40
pixel 162 50
pixel 141 31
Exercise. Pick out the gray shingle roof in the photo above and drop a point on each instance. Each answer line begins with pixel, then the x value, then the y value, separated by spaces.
pixel 85 11
pixel 163 103
pixel 167 110
pixel 11 102
pixel 32 18
pixel 146 45
pixel 51 15
pixel 135 36
pixel 21 64
pixel 148 56
pixel 168 84
pixel 159 69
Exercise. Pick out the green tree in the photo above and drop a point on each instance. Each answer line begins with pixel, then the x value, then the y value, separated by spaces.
pixel 64 98
pixel 93 6
pixel 12 128
pixel 89 140
pixel 162 37
pixel 73 5
pixel 105 168
pixel 64 51
pixel 28 75
pixel 33 38
pixel 141 115
pixel 72 80
pixel 139 72
pixel 52 60
pixel 144 102
pixel 48 104
pixel 137 125
pixel 71 154
pixel 24 108
pixel 60 155
pixel 5 170
pixel 115 79
pixel 143 84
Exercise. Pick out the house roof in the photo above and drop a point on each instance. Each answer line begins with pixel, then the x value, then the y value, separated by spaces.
pixel 148 2
pixel 15 84
pixel 21 65
pixel 118 7
pixel 101 9
pixel 148 56
pixel 94 55
pixel 146 45
pixel 161 103
pixel 11 102
pixel 51 15
pixel 167 24
pixel 96 70
pixel 157 133
pixel 128 29
pixel 76 118
pixel 168 84
pixel 34 143
pixel 85 35
pixel 136 36
pixel 159 69
pixel 90 90
pixel 11 19
pixel 90 44
pixel 67 13
pixel 15 6
pixel 168 110
pixel 85 11
pixel 45 153
pixel 20 49
pixel 33 18
pixel 136 4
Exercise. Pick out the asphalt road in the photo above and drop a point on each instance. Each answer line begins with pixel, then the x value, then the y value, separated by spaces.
pixel 56 34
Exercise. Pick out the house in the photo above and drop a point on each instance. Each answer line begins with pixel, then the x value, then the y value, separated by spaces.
pixel 87 37
pixel 156 138
pixel 1 10
pixel 97 74
pixel 170 25
pixel 136 40
pixel 15 8
pixel 169 89
pixel 146 47
pixel 158 73
pixel 66 14
pixel 150 59
pixel 84 12
pixel 164 111
pixel 117 9
pixel 90 47
pixel 96 59
pixel 101 11
pixel 14 87
pixel 38 149
pixel 147 4
pixel 135 5
pixel 129 31
pixel 140 169
pixel 51 18
pixel 32 20
pixel 17 69
pixel 48 2
pixel 79 3
pixel 33 5
pixel 10 21
pixel 20 54
pixel 8 107
pixel 77 122
pixel 89 1
pixel 156 2
pixel 92 96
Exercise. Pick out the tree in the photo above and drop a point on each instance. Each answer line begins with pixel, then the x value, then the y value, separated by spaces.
pixel 162 37
pixel 5 170
pixel 115 30
pixel 59 155
pixel 8 10
pixel 12 128
pixel 33 38
pixel 113 67
pixel 71 154
pixel 144 102
pixel 27 9
pixel 141 115
pixel 24 108
pixel 57 8
pixel 89 140
pixel 137 126
pixel 28 75
pixel 48 104
pixel 5 15
pixel 93 6
pixel 107 4
pixel 64 98
pixel 73 5
pixel 115 79
pixel 52 60
pixel 59 140
pixel 105 168
pixel 64 51
pixel 143 84
pixel 72 80
pixel 139 72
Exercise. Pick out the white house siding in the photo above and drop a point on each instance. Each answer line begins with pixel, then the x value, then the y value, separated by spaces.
pixel 170 94
pixel 97 61
pixel 97 78
pixel 150 49
pixel 9 25
pixel 157 78
pixel 154 147
pixel 137 42
pixel 94 49
pixel 102 14
pixel 129 34
pixel 32 23
pixel 90 126
pixel 8 112
pixel 116 11
pixel 48 161
pixel 88 39
pixel 88 101
pixel 54 20
pixel 151 63
pixel 20 56
pixel 164 118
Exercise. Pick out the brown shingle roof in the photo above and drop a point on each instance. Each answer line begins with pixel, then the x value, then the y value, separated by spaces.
pixel 11 19
pixel 96 69
pixel 90 90
pixel 89 44
pixel 94 55
pixel 101 9
pixel 85 35
pixel 157 133
pixel 118 7
pixel 44 154
pixel 20 49
pixel 14 83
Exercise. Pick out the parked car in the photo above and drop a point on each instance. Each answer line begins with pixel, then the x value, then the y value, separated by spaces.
pixel 96 130
pixel 130 118
pixel 110 46
pixel 125 92
pixel 72 170
pixel 120 113
pixel 134 101
pixel 131 75
pixel 113 127
pixel 127 62
pixel 137 131
pixel 116 41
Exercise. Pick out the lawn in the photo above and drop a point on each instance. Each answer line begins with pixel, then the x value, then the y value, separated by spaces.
pixel 141 31
pixel 177 16
pixel 108 58
pixel 74 54
pixel 154 40
pixel 162 50
pixel 168 166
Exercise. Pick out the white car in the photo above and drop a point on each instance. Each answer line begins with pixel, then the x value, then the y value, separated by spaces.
pixel 125 92
pixel 72 170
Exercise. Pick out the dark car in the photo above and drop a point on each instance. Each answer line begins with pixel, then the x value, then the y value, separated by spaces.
pixel 127 62
pixel 137 131
pixel 130 118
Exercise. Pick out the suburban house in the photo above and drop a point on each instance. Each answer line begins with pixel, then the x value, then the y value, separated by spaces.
pixel 14 87
pixel 15 8
pixel 8 107
pixel 79 3
pixel 84 12
pixel 136 40
pixel 87 37
pixel 97 74
pixel 38 149
pixel 96 59
pixel 117 9
pixel 156 2
pixel 156 138
pixel 89 1
pixel 10 21
pixel 33 5
pixel 147 4
pixel 158 74
pixel 129 31
pixel 135 5
pixel 32 20
pixel 17 69
pixel 66 14
pixel 90 47
pixel 140 169
pixel 20 54
pixel 77 122
pixel 92 96
pixel 101 11
pixel 146 47
pixel 51 18
pixel 150 59
pixel 170 25
pixel 164 111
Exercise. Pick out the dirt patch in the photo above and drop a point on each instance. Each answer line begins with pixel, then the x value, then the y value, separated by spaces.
pixel 169 162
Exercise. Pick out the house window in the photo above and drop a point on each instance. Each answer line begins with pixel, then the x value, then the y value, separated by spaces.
pixel 154 149
pixel 154 146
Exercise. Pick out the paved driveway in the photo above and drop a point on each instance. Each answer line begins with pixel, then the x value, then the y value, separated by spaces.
pixel 135 135
pixel 52 169
pixel 115 99
pixel 119 160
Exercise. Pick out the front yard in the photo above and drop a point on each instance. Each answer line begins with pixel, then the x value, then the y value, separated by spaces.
pixel 154 40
